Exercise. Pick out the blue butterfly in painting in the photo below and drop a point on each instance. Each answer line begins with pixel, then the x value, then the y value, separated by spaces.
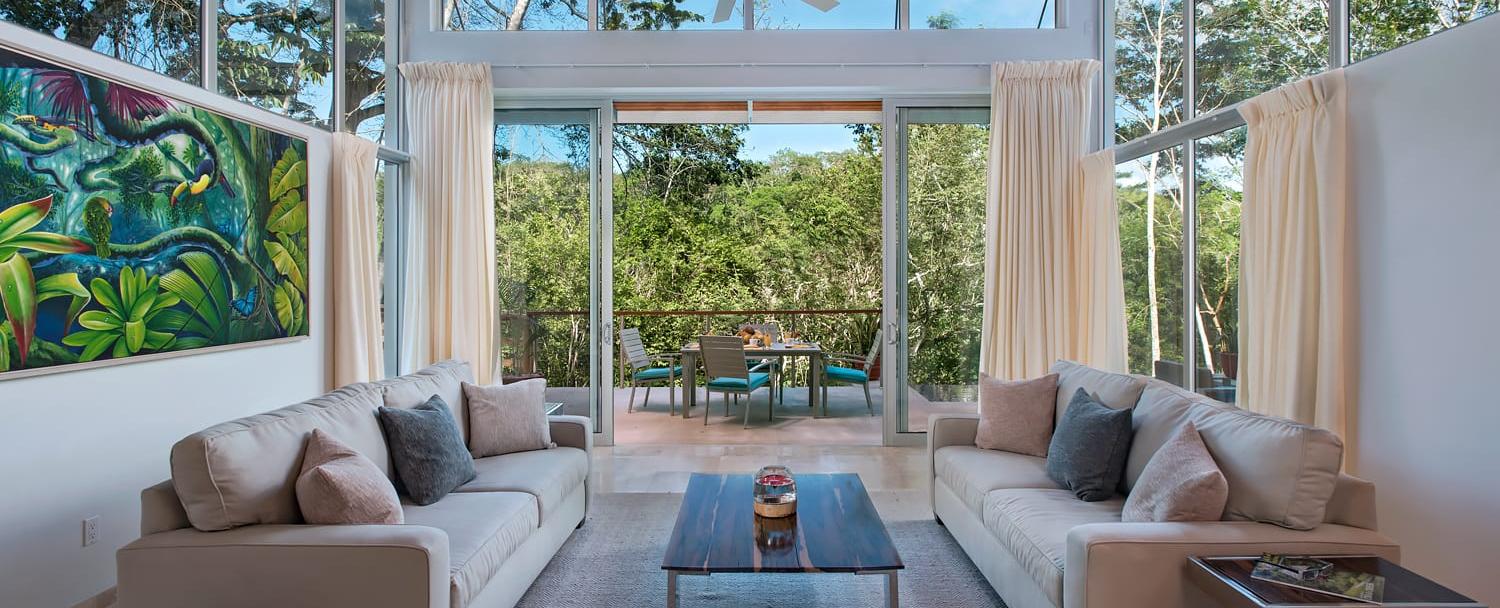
pixel 246 305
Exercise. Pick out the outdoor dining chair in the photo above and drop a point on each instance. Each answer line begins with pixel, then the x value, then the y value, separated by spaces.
pixel 724 364
pixel 852 375
pixel 643 370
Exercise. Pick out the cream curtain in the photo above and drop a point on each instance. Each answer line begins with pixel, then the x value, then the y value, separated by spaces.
pixel 449 304
pixel 1035 255
pixel 1295 301
pixel 1101 338
pixel 356 274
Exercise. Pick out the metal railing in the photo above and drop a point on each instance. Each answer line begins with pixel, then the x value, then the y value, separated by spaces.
pixel 554 343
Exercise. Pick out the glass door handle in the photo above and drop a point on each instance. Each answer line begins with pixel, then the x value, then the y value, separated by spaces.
pixel 891 333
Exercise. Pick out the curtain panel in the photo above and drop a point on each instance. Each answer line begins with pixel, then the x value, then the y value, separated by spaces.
pixel 1036 255
pixel 357 343
pixel 448 308
pixel 1295 292
pixel 1101 340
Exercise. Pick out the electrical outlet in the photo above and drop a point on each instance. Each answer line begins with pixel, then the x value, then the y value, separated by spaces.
pixel 91 530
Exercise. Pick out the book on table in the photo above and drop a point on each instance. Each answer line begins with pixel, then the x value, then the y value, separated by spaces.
pixel 1320 576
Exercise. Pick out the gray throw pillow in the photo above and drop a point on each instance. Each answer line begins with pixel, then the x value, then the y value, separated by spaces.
pixel 1089 447
pixel 427 450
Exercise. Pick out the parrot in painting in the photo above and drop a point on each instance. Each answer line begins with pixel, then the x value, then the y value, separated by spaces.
pixel 207 173
pixel 96 220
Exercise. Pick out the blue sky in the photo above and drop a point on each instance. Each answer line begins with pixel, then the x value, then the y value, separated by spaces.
pixel 761 141
pixel 873 14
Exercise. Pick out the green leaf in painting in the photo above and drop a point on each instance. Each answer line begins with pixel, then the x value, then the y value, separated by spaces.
pixel 290 308
pixel 205 290
pixel 19 218
pixel 289 173
pixel 47 242
pixel 5 340
pixel 98 320
pixel 64 284
pixel 286 262
pixel 289 216
pixel 18 293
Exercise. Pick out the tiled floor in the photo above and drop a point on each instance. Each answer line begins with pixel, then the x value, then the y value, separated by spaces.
pixel 901 472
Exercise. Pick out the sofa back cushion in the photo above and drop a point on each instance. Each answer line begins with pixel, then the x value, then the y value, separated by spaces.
pixel 1118 391
pixel 244 471
pixel 1279 471
pixel 444 379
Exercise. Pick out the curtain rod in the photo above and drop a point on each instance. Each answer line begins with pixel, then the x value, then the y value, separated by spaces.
pixel 743 64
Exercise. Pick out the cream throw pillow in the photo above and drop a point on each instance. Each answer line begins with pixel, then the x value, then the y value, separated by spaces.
pixel 1017 416
pixel 507 418
pixel 1181 482
pixel 340 486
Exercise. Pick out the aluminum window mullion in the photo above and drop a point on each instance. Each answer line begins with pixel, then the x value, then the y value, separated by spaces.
pixel 208 40
pixel 1189 196
pixel 336 112
pixel 747 9
pixel 1338 33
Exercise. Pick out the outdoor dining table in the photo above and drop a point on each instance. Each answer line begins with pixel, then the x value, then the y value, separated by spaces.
pixel 811 350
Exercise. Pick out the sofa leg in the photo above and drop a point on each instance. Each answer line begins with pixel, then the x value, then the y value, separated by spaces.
pixel 935 518
pixel 580 523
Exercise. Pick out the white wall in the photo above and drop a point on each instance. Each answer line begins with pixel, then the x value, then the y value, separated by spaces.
pixel 1425 139
pixel 85 443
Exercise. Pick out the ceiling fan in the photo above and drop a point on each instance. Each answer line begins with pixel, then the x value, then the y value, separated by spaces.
pixel 721 13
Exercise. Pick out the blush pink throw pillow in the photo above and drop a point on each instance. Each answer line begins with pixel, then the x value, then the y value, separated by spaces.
pixel 340 486
pixel 1181 482
pixel 1017 416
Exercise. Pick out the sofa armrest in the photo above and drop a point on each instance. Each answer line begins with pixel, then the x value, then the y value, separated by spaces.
pixel 286 565
pixel 944 430
pixel 1145 565
pixel 161 510
pixel 572 431
pixel 1352 503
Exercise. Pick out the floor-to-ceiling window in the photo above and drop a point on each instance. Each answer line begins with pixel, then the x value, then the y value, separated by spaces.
pixel 1180 67
pixel 939 255
pixel 545 219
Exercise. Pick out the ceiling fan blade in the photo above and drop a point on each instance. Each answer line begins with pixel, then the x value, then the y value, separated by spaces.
pixel 724 10
pixel 822 5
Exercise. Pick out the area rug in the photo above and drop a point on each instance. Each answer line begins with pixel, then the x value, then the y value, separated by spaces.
pixel 615 560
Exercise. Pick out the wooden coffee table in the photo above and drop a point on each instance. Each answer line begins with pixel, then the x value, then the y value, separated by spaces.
pixel 836 530
pixel 1227 579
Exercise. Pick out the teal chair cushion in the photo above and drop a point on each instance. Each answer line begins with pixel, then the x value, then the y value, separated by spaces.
pixel 845 374
pixel 658 373
pixel 757 380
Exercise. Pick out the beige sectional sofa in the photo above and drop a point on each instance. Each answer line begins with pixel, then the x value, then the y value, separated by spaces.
pixel 1041 547
pixel 226 531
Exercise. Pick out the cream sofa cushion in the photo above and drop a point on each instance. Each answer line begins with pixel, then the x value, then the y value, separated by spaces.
pixel 1279 471
pixel 548 475
pixel 484 529
pixel 1033 525
pixel 972 472
pixel 444 379
pixel 244 471
pixel 1118 391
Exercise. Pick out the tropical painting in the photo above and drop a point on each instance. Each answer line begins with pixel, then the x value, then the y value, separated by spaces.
pixel 133 224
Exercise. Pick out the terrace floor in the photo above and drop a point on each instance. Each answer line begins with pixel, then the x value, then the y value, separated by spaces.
pixel 849 422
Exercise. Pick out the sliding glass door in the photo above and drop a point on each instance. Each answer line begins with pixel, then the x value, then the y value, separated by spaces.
pixel 553 317
pixel 935 223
